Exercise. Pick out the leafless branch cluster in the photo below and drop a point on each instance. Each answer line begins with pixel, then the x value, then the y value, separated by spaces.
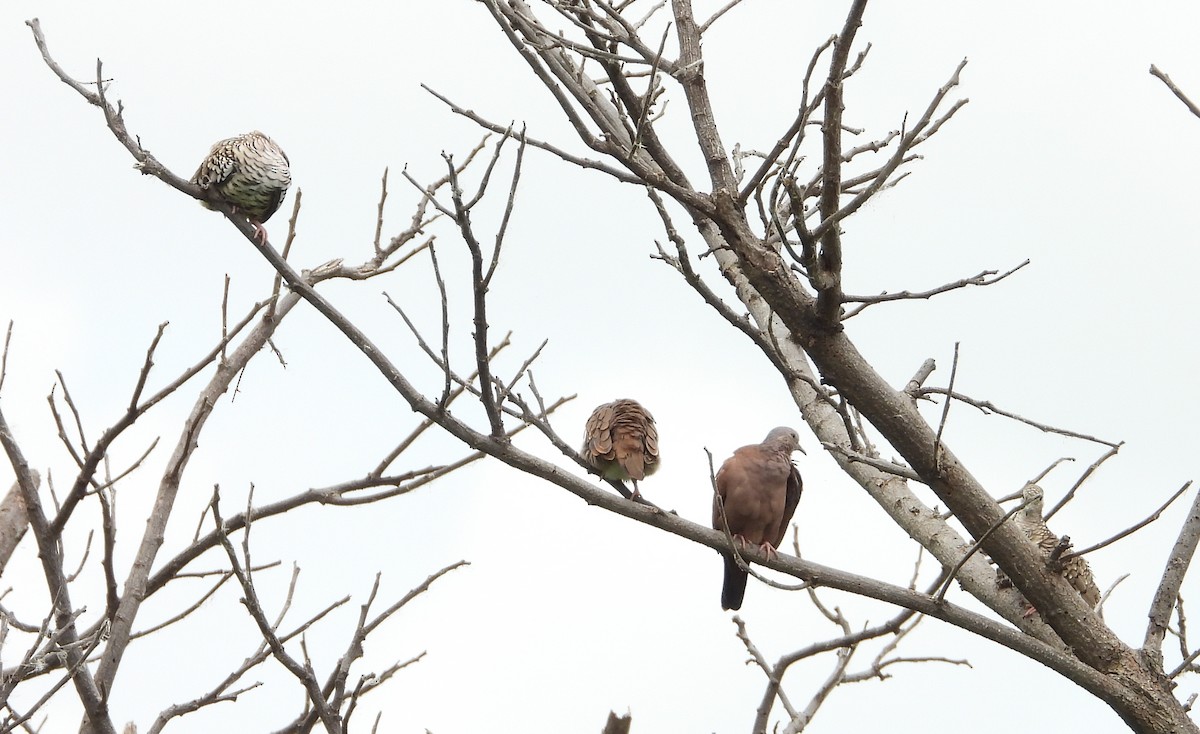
pixel 774 234
pixel 330 702
pixel 613 77
pixel 74 632
pixel 845 646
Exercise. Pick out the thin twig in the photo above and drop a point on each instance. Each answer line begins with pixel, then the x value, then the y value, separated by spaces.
pixel 713 19
pixel 383 193
pixel 890 467
pixel 719 503
pixel 224 321
pixel 1175 90
pixel 277 280
pixel 1087 473
pixel 445 331
pixel 937 441
pixel 941 592
pixel 1129 531
pixel 984 278
pixel 4 353
pixel 508 209
pixel 988 407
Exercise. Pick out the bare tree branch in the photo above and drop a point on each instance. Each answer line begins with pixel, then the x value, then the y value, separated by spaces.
pixel 941 592
pixel 825 267
pixel 14 519
pixel 987 407
pixel 1172 578
pixel 1131 530
pixel 1175 90
pixel 982 279
pixel 303 673
pixel 1087 473
pixel 4 353
pixel 937 439
pixel 94 702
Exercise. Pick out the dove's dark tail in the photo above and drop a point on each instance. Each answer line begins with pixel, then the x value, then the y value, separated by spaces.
pixel 734 589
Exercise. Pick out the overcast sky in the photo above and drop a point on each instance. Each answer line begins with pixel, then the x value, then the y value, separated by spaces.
pixel 1069 154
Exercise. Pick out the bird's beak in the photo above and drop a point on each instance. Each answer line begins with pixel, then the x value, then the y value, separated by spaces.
pixel 801 449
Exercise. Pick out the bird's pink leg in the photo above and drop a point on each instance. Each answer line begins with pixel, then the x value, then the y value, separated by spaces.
pixel 260 232
pixel 768 550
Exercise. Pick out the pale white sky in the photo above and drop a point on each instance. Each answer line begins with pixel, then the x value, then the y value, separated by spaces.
pixel 1069 153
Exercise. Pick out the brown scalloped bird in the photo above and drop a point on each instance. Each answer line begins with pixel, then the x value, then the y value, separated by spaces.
pixel 250 173
pixel 620 441
pixel 1076 570
pixel 758 489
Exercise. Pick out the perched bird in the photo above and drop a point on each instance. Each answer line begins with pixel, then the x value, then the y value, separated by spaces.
pixel 1075 570
pixel 250 173
pixel 621 442
pixel 758 489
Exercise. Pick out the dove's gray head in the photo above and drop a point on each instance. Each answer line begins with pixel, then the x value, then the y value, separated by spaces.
pixel 786 439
